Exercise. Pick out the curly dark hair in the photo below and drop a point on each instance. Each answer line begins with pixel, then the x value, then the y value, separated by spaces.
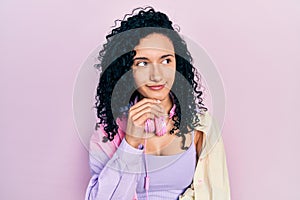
pixel 116 59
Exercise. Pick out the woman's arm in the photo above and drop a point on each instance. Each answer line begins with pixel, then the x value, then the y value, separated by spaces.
pixel 115 177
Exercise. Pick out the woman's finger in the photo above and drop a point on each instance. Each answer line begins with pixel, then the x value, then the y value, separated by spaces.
pixel 142 119
pixel 148 105
pixel 147 110
pixel 143 101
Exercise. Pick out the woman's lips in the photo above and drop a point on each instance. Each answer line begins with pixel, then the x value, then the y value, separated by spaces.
pixel 156 87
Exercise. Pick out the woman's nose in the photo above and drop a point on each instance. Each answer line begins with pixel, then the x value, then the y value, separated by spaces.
pixel 155 73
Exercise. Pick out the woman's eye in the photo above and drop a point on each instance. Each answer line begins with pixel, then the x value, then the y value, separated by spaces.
pixel 141 64
pixel 166 61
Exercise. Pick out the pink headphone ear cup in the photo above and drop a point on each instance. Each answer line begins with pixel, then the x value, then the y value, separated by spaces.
pixel 160 126
pixel 149 126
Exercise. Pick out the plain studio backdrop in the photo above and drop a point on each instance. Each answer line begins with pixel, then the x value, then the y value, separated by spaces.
pixel 43 44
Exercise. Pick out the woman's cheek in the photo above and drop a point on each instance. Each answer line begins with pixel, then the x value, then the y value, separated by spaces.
pixel 140 77
pixel 170 76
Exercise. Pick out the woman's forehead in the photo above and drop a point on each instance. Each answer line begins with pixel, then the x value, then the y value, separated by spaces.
pixel 153 52
pixel 155 42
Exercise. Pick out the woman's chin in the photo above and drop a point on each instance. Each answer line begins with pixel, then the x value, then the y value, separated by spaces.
pixel 158 96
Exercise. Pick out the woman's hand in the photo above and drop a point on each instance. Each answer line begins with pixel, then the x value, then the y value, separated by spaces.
pixel 137 116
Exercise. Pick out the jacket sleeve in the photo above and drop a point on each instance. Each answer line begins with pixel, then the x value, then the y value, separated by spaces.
pixel 211 180
pixel 113 177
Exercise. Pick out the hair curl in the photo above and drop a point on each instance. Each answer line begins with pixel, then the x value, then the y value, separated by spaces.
pixel 116 58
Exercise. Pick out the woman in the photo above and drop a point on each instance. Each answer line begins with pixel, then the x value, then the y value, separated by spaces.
pixel 151 141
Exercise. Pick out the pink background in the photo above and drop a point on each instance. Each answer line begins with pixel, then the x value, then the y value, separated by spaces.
pixel 255 45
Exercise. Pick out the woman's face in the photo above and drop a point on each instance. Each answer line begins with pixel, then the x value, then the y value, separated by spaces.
pixel 154 66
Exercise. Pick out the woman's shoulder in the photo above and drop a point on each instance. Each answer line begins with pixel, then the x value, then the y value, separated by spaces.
pixel 210 131
pixel 96 143
pixel 100 144
pixel 204 121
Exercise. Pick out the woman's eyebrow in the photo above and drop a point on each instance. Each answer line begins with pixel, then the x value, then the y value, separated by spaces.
pixel 141 58
pixel 166 55
pixel 145 58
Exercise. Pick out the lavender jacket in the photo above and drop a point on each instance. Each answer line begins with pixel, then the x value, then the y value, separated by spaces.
pixel 115 166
